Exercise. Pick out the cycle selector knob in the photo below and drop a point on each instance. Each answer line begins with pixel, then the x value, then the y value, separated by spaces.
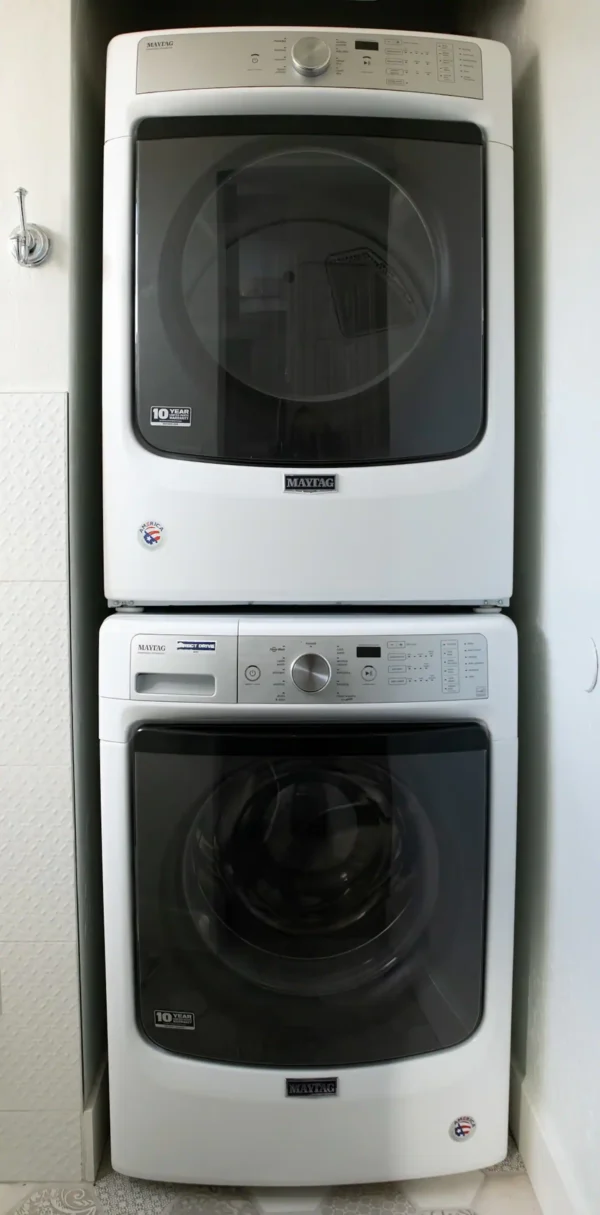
pixel 311 56
pixel 311 673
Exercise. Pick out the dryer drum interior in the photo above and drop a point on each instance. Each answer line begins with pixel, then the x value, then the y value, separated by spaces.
pixel 311 897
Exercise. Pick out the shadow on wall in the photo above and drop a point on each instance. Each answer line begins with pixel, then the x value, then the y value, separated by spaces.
pixel 533 848
pixel 476 17
pixel 416 14
pixel 90 34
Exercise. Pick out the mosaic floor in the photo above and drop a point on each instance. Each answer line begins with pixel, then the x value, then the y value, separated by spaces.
pixel 503 1190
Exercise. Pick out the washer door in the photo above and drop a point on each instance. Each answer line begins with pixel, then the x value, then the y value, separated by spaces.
pixel 310 897
pixel 308 288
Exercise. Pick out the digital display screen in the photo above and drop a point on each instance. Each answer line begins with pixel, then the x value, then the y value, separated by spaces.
pixel 367 46
pixel 368 651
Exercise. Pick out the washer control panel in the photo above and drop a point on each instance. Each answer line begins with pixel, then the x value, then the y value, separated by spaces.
pixel 362 670
pixel 343 59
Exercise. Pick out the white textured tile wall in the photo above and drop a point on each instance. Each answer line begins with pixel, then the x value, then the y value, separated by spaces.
pixel 32 487
pixel 40 1034
pixel 37 875
pixel 40 1065
pixel 34 676
pixel 42 1146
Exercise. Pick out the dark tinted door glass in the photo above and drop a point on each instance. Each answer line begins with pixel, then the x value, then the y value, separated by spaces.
pixel 310 899
pixel 309 295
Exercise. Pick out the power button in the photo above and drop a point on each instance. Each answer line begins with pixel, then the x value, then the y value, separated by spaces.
pixel 252 673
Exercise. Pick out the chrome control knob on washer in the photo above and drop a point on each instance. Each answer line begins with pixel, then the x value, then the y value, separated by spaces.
pixel 311 673
pixel 311 56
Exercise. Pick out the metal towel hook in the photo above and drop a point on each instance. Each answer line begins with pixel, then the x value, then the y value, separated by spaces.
pixel 30 244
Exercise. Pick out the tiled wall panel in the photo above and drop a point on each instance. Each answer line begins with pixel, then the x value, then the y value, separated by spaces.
pixel 34 674
pixel 42 1146
pixel 32 487
pixel 37 876
pixel 40 1047
pixel 40 1065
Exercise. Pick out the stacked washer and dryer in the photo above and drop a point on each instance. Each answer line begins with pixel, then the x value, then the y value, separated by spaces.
pixel 308 687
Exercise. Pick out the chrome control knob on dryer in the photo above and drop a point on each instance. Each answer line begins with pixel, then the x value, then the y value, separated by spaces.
pixel 311 673
pixel 311 56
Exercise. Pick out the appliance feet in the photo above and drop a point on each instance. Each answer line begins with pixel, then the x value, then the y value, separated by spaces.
pixel 301 1200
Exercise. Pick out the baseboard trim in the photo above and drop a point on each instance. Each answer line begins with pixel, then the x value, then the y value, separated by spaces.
pixel 95 1125
pixel 556 1189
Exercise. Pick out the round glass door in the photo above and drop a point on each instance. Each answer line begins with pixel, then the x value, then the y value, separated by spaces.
pixel 312 879
pixel 309 896
pixel 309 291
pixel 324 268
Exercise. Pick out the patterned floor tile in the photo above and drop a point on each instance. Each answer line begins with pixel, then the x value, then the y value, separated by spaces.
pixel 12 1194
pixel 368 1200
pixel 55 1200
pixel 513 1163
pixel 114 1194
pixel 119 1195
pixel 212 1200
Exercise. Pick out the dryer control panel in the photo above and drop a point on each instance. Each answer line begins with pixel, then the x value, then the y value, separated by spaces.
pixel 362 669
pixel 360 59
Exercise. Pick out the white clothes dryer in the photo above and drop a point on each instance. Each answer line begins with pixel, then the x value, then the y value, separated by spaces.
pixel 309 850
pixel 308 318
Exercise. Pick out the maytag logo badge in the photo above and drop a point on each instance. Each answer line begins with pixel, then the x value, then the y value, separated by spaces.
pixel 307 483
pixel 312 1088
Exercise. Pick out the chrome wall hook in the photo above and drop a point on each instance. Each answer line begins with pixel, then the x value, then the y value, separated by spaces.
pixel 29 244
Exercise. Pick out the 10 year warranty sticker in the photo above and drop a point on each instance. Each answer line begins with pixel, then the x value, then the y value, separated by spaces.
pixel 151 534
pixel 163 415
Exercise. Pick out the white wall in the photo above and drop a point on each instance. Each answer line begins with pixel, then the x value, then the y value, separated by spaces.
pixel 556 49
pixel 34 136
pixel 40 1037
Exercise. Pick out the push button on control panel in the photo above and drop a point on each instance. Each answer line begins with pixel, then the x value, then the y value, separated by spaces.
pixel 252 673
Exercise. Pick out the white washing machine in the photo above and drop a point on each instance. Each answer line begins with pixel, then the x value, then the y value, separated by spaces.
pixel 309 851
pixel 308 318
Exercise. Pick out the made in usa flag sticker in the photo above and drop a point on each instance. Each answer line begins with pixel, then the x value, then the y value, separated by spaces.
pixel 462 1128
pixel 151 534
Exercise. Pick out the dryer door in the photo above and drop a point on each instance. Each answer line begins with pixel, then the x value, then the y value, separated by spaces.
pixel 310 897
pixel 309 291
